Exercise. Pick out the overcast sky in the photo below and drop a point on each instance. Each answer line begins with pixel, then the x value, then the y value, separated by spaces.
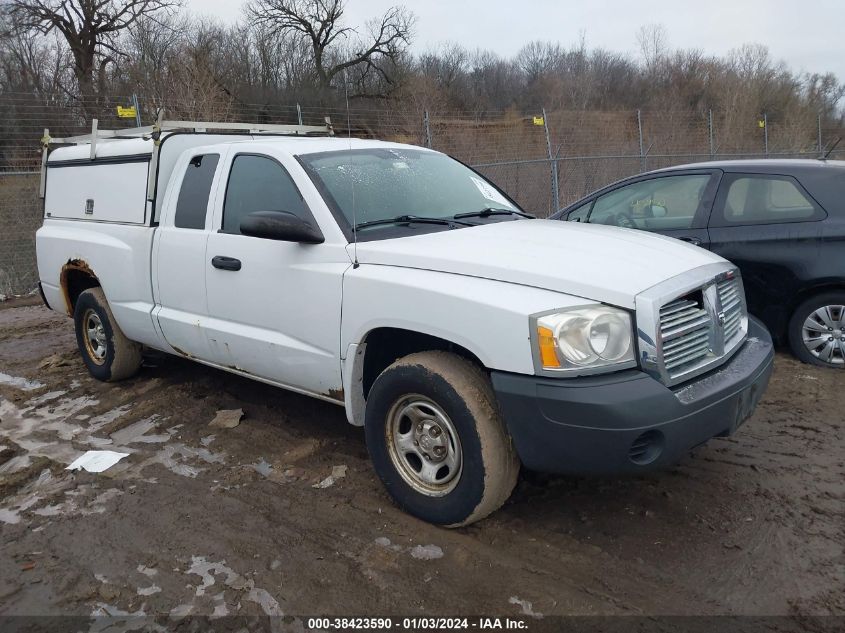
pixel 806 34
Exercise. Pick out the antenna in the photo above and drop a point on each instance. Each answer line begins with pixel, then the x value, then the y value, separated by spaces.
pixel 833 147
pixel 355 263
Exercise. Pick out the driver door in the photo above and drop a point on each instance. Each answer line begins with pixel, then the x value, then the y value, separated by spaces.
pixel 275 306
pixel 674 204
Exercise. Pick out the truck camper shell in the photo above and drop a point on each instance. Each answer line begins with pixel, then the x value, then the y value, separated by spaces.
pixel 115 175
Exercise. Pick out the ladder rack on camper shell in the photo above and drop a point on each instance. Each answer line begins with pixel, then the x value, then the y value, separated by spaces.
pixel 154 133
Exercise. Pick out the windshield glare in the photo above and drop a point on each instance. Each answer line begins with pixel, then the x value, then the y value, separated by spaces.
pixel 386 183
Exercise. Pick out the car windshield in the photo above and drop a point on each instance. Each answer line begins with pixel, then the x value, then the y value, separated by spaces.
pixel 369 186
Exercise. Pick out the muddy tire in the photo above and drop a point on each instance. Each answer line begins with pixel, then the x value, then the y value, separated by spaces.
pixel 817 330
pixel 437 440
pixel 106 351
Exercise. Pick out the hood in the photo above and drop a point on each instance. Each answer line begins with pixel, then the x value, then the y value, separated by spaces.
pixel 600 263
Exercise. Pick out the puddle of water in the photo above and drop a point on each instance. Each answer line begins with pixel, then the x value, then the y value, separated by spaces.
pixel 137 432
pixel 268 603
pixel 207 571
pixel 420 552
pixel 527 607
pixel 173 457
pixel 23 384
pixel 148 591
pixel 263 468
pixel 426 552
pixel 18 462
pixel 51 395
pixel 47 428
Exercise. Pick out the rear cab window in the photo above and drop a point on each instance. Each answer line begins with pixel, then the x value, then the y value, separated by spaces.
pixel 764 199
pixel 192 204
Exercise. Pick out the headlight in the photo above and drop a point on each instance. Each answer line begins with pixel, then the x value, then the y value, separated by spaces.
pixel 583 339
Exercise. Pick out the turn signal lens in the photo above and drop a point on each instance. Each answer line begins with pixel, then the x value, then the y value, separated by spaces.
pixel 546 339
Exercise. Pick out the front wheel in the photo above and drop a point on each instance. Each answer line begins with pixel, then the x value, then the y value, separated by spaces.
pixel 817 330
pixel 107 353
pixel 437 440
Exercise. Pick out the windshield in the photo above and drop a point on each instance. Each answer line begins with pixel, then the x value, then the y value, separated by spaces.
pixel 382 183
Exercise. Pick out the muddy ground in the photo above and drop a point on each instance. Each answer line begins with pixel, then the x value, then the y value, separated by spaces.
pixel 208 520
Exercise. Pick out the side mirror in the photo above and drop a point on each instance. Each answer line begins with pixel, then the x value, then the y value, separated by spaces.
pixel 282 226
pixel 658 211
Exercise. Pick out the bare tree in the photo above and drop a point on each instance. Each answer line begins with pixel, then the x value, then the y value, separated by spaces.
pixel 652 39
pixel 334 48
pixel 90 27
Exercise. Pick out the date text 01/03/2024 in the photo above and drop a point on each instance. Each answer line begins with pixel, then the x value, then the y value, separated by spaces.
pixel 416 624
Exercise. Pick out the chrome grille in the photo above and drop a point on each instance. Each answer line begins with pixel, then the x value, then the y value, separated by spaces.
pixel 685 333
pixel 691 323
pixel 730 299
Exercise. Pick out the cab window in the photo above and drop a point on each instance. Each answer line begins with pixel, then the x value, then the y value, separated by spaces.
pixel 259 183
pixel 192 204
pixel 668 202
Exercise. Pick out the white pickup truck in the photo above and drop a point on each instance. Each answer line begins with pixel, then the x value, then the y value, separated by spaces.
pixel 466 338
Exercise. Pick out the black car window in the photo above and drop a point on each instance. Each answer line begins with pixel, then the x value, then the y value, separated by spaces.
pixel 668 202
pixel 764 199
pixel 259 183
pixel 192 204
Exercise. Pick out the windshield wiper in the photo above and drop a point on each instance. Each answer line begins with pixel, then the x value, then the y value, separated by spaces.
pixel 488 211
pixel 412 219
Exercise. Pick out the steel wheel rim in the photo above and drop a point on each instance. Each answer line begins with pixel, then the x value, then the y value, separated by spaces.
pixel 424 445
pixel 94 335
pixel 823 333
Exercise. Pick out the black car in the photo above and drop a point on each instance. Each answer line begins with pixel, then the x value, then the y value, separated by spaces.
pixel 781 221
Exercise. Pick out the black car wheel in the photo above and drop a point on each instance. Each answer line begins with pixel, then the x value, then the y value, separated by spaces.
pixel 817 330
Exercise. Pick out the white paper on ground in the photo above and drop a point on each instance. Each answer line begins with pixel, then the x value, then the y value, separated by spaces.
pixel 97 461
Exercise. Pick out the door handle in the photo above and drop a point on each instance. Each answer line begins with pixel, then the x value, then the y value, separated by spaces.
pixel 226 263
pixel 691 240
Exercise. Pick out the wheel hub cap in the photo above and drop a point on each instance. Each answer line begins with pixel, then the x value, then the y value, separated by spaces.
pixel 823 333
pixel 424 445
pixel 95 337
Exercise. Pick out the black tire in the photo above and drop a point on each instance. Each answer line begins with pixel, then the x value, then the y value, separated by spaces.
pixel 796 326
pixel 462 391
pixel 112 356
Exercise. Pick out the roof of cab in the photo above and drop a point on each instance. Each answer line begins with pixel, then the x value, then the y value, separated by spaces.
pixel 296 145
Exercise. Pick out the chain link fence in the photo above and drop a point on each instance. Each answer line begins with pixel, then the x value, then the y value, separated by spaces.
pixel 543 159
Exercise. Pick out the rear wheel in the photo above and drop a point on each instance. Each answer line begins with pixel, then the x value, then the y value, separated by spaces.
pixel 437 440
pixel 107 353
pixel 817 330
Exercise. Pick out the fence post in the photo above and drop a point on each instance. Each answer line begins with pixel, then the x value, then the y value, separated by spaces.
pixel 552 165
pixel 427 129
pixel 137 110
pixel 710 131
pixel 766 132
pixel 299 114
pixel 642 149
pixel 821 150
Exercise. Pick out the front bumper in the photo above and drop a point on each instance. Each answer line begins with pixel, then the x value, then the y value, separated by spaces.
pixel 628 421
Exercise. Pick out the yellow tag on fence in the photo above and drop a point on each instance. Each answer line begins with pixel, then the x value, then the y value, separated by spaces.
pixel 761 123
pixel 538 120
pixel 126 113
